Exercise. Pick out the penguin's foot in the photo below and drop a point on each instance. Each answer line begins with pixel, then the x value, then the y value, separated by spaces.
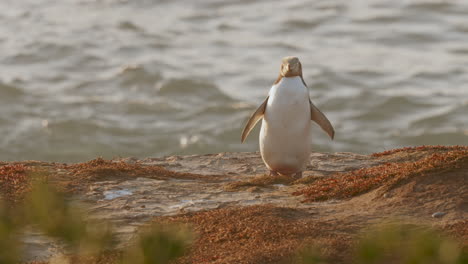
pixel 274 173
pixel 297 175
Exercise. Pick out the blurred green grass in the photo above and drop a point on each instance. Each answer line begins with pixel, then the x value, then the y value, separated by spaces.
pixel 50 212
pixel 398 243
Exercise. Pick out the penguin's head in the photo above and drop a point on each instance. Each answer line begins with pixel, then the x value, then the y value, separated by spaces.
pixel 290 67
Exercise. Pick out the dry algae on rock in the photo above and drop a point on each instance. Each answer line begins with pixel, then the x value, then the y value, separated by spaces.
pixel 99 169
pixel 13 182
pixel 75 177
pixel 256 234
pixel 346 185
pixel 424 148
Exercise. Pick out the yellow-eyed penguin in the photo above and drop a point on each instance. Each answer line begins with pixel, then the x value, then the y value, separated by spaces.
pixel 285 136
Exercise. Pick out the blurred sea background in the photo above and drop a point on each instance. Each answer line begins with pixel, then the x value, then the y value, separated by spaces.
pixel 146 78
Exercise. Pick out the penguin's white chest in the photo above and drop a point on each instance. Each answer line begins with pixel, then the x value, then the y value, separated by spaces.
pixel 285 136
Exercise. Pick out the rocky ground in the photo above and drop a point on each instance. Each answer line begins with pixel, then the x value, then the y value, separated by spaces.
pixel 240 215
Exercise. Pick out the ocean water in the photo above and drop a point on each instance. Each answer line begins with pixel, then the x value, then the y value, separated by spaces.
pixel 87 78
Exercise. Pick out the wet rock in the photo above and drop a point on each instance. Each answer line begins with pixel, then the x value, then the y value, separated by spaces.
pixel 438 214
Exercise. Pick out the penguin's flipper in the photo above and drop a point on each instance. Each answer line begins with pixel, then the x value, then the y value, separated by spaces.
pixel 256 116
pixel 321 120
